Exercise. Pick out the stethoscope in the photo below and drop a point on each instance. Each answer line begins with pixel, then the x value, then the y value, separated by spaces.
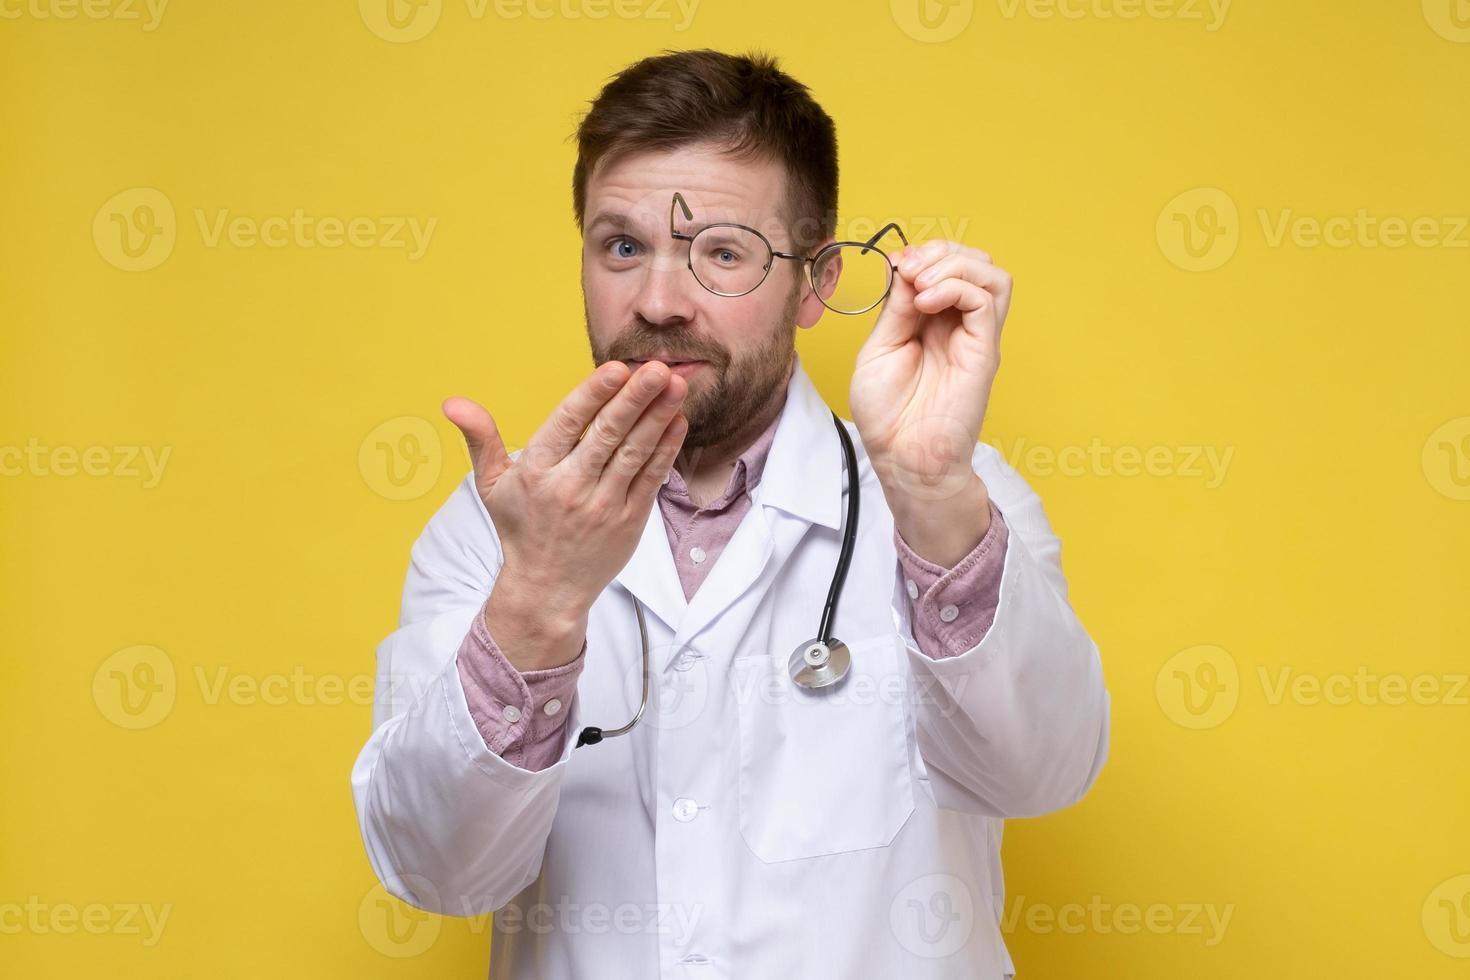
pixel 816 664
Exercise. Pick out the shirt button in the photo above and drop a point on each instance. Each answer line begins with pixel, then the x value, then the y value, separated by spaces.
pixel 552 707
pixel 948 613
pixel 511 714
pixel 908 583
pixel 696 554
pixel 685 809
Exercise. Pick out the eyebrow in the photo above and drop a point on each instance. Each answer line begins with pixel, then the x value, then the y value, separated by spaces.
pixel 618 221
pixel 612 219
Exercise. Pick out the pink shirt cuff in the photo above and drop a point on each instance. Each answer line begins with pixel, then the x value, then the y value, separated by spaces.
pixel 521 715
pixel 953 608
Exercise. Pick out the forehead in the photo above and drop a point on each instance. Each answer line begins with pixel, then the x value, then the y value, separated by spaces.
pixel 637 190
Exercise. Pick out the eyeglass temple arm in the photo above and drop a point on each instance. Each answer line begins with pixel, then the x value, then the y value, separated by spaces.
pixel 688 215
pixel 891 226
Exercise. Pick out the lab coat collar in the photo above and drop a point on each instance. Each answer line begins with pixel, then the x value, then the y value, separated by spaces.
pixel 803 474
pixel 803 478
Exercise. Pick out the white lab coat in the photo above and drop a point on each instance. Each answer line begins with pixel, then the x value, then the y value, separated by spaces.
pixel 745 828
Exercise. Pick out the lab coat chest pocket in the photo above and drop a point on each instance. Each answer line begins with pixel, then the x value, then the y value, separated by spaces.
pixel 822 773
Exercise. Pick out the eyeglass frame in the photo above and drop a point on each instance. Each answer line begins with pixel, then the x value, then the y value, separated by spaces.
pixel 809 263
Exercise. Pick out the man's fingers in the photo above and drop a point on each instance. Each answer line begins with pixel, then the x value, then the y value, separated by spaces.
pixel 977 306
pixel 968 268
pixel 559 434
pixel 651 475
pixel 487 450
pixel 642 439
pixel 611 425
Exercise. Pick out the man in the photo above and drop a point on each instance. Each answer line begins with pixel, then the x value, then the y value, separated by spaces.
pixel 746 826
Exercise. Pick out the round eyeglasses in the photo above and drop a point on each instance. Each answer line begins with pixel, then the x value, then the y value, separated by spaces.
pixel 731 260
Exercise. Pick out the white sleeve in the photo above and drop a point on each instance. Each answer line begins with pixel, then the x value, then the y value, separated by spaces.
pixel 449 826
pixel 1016 726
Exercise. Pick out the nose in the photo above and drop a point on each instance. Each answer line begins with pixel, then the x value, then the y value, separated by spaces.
pixel 666 292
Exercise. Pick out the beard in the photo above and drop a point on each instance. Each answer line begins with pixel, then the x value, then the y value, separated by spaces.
pixel 742 388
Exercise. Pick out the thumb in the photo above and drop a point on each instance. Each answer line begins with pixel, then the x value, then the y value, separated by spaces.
pixel 487 451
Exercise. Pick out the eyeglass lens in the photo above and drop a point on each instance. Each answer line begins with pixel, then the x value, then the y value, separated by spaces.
pixel 733 261
pixel 863 276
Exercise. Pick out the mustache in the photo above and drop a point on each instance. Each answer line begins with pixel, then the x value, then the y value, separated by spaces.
pixel 637 342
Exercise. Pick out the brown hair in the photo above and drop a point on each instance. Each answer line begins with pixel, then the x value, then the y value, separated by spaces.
pixel 743 102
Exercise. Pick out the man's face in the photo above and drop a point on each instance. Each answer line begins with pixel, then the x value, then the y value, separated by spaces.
pixel 642 302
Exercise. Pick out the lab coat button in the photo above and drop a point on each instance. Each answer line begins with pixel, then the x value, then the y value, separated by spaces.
pixel 686 659
pixel 685 809
pixel 948 613
pixel 511 714
pixel 913 589
pixel 552 707
pixel 696 554
pixel 695 959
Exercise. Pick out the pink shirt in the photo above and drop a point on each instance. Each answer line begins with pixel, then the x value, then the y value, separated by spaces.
pixel 522 715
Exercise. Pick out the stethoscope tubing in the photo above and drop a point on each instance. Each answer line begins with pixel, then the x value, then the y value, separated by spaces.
pixel 591 735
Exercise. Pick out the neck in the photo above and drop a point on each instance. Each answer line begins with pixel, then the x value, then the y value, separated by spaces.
pixel 706 470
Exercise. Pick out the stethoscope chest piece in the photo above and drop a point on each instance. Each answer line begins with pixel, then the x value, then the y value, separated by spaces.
pixel 818 664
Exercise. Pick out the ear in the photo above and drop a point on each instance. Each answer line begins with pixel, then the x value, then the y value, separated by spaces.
pixel 826 273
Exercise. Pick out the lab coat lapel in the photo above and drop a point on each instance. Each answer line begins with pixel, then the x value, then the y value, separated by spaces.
pixel 650 574
pixel 800 485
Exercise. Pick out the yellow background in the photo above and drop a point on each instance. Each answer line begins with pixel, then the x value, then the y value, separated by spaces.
pixel 270 552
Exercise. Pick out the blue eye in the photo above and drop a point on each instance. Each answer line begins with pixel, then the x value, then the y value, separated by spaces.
pixel 618 244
